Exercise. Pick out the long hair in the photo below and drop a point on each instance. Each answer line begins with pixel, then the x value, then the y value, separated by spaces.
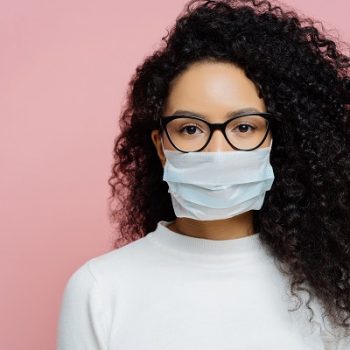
pixel 304 80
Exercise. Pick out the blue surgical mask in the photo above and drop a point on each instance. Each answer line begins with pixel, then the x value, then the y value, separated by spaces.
pixel 217 185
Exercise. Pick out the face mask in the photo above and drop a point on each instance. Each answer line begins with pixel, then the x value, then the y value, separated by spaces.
pixel 217 185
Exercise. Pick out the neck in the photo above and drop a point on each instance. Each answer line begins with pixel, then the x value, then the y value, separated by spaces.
pixel 236 227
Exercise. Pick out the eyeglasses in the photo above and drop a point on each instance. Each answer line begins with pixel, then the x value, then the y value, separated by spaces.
pixel 192 134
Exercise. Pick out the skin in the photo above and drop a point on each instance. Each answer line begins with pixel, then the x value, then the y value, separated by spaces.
pixel 212 90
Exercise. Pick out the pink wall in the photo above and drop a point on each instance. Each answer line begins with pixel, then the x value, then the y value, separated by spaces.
pixel 64 70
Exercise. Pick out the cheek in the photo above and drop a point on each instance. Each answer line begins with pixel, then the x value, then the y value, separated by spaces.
pixel 166 143
pixel 267 141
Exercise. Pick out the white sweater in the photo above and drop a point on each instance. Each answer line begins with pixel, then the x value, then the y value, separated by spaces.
pixel 169 291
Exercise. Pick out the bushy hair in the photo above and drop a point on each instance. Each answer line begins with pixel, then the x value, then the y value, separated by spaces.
pixel 304 80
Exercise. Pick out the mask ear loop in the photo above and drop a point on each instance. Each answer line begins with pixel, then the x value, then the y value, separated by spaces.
pixel 161 141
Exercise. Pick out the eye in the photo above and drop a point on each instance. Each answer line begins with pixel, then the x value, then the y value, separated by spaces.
pixel 245 127
pixel 190 129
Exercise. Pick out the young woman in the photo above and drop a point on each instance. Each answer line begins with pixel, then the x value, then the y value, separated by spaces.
pixel 232 189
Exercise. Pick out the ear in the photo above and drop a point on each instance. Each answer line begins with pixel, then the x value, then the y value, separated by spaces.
pixel 155 135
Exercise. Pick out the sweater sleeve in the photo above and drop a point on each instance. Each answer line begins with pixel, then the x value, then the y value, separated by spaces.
pixel 81 323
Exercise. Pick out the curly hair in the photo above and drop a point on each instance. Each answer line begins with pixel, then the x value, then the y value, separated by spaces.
pixel 304 80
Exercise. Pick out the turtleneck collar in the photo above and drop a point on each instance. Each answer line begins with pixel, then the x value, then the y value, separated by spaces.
pixel 218 249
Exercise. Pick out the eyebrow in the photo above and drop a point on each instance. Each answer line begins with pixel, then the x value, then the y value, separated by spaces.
pixel 228 116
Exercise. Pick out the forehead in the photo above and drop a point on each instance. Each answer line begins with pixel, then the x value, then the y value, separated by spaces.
pixel 212 87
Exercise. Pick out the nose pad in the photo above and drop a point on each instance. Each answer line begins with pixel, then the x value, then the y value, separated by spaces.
pixel 217 143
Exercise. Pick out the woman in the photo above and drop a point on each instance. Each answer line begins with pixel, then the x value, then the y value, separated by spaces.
pixel 228 242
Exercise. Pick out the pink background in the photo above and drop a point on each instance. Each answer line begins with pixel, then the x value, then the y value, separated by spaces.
pixel 64 71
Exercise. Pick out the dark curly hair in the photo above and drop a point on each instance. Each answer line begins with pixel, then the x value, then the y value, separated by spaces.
pixel 304 80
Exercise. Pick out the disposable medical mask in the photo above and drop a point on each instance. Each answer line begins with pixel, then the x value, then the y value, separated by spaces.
pixel 217 185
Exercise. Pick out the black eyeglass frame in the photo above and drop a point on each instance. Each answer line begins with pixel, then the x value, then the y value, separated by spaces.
pixel 215 126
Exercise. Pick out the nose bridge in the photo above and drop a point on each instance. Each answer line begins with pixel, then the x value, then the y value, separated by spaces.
pixel 217 142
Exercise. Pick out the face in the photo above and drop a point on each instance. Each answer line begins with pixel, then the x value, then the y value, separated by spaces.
pixel 211 90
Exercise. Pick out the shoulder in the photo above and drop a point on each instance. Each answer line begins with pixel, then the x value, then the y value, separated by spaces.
pixel 115 266
pixel 93 289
